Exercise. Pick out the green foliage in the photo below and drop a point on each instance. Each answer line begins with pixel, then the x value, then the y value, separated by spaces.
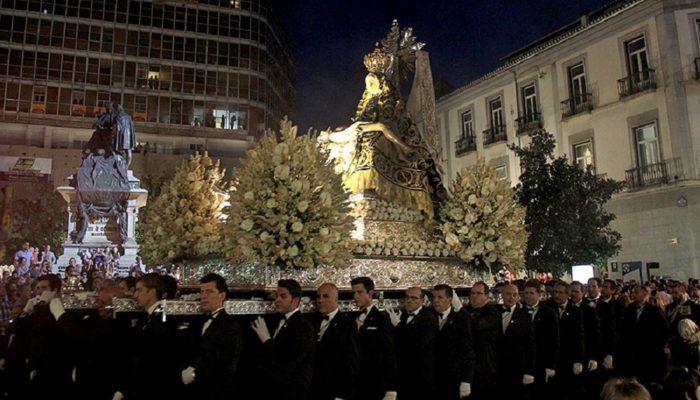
pixel 41 219
pixel 183 222
pixel 565 217
pixel 288 207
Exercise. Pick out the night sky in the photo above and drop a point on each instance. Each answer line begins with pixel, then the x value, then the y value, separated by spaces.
pixel 465 39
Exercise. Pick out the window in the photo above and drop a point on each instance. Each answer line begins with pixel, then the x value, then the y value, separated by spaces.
pixel 647 145
pixel 529 98
pixel 496 113
pixel 467 125
pixel 637 60
pixel 577 84
pixel 502 172
pixel 583 154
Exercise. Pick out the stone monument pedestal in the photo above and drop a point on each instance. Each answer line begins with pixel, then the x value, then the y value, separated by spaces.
pixel 103 231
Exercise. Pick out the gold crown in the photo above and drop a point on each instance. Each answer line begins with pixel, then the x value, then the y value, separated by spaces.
pixel 377 62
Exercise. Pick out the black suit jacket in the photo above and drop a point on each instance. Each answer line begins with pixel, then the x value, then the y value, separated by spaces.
pixel 546 326
pixel 516 348
pixel 485 323
pixel 287 360
pixel 591 332
pixel 377 357
pixel 415 345
pixel 608 327
pixel 337 360
pixel 454 353
pixel 214 357
pixel 644 340
pixel 570 337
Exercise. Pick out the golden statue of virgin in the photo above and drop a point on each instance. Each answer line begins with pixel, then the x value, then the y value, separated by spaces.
pixel 383 153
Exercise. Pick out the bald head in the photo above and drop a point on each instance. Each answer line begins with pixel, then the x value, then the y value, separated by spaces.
pixel 510 295
pixel 327 298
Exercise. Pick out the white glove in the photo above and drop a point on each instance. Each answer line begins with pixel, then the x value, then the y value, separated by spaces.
pixel 394 316
pixel 465 389
pixel 2 364
pixel 389 396
pixel 578 368
pixel 47 296
pixel 608 362
pixel 29 307
pixel 337 398
pixel 187 375
pixel 118 396
pixel 260 328
pixel 32 374
pixel 528 379
pixel 56 308
pixel 73 375
pixel 549 373
pixel 592 365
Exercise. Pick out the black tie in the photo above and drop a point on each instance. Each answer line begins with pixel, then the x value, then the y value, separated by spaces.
pixel 442 315
pixel 365 311
pixel 326 317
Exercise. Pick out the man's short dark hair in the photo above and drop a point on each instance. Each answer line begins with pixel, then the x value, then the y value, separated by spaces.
pixel 597 280
pixel 576 284
pixel 130 282
pixel 218 280
pixel 612 284
pixel 170 283
pixel 533 283
pixel 447 288
pixel 292 286
pixel 54 281
pixel 487 290
pixel 153 280
pixel 365 281
pixel 563 284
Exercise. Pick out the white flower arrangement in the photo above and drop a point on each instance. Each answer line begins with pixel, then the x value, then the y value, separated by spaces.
pixel 382 210
pixel 483 220
pixel 403 248
pixel 289 207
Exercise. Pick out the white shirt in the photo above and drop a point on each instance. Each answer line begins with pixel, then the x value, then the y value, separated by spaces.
pixel 413 314
pixel 283 321
pixel 210 320
pixel 363 315
pixel 325 323
pixel 443 317
pixel 506 316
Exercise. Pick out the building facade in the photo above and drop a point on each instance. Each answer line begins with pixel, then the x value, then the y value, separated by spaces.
pixel 194 75
pixel 619 90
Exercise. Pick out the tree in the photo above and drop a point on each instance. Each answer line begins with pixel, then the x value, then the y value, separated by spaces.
pixel 483 221
pixel 289 207
pixel 565 217
pixel 183 222
pixel 41 219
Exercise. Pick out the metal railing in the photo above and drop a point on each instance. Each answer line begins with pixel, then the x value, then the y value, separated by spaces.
pixel 655 174
pixel 465 145
pixel 495 134
pixel 577 104
pixel 528 122
pixel 637 82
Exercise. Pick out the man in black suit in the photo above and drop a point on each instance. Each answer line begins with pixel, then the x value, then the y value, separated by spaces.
pixel 516 346
pixel 337 349
pixel 546 325
pixel 571 355
pixel 644 334
pixel 609 295
pixel 608 326
pixel 454 347
pixel 683 353
pixel 414 339
pixel 591 327
pixel 377 378
pixel 215 347
pixel 155 367
pixel 486 321
pixel 288 354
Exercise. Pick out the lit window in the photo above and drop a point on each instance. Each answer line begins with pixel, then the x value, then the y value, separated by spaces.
pixel 583 154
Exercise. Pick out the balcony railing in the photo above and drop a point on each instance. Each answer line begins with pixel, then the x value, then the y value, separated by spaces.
pixel 577 104
pixel 465 145
pixel 637 82
pixel 655 174
pixel 495 134
pixel 528 122
pixel 697 68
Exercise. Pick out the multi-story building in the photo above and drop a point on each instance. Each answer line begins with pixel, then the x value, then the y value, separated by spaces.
pixel 620 90
pixel 194 75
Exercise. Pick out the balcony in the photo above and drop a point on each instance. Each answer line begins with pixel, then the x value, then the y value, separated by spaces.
pixel 495 134
pixel 655 174
pixel 577 104
pixel 637 82
pixel 697 68
pixel 465 145
pixel 528 122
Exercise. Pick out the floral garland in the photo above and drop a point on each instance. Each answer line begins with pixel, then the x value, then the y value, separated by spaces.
pixel 483 221
pixel 289 207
